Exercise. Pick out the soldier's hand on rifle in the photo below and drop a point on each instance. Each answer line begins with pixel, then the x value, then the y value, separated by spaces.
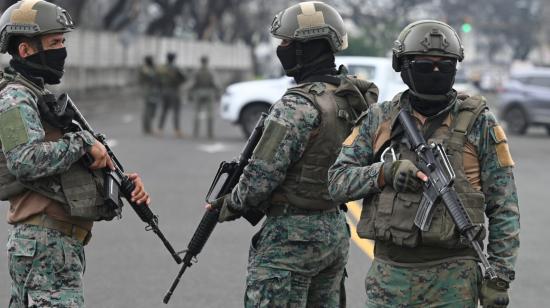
pixel 494 293
pixel 221 204
pixel 100 156
pixel 403 176
pixel 139 195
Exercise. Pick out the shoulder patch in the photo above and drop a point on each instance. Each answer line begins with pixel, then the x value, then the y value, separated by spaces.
pixel 502 149
pixel 13 130
pixel 351 138
pixel 272 136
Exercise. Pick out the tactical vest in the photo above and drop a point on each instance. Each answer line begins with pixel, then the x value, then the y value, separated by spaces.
pixel 78 190
pixel 306 182
pixel 389 216
pixel 204 79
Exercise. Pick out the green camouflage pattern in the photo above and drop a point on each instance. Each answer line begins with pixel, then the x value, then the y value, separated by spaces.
pixel 298 261
pixel 46 268
pixel 294 259
pixel 449 284
pixel 355 172
pixel 261 177
pixel 37 158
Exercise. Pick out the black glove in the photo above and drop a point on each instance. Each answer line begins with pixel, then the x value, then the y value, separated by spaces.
pixel 226 213
pixel 401 175
pixel 494 293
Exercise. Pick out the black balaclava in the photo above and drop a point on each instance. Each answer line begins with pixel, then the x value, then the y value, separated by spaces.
pixel 431 92
pixel 302 60
pixel 46 64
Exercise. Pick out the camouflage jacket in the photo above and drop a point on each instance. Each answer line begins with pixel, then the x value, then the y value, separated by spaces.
pixel 29 156
pixel 355 173
pixel 260 177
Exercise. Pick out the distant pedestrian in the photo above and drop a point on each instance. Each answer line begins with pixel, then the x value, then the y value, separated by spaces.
pixel 204 91
pixel 171 79
pixel 150 86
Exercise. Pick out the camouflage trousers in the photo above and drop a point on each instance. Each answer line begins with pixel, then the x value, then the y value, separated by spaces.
pixel 298 261
pixel 450 284
pixel 46 268
pixel 204 102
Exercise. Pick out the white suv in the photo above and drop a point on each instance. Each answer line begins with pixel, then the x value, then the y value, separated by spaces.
pixel 243 102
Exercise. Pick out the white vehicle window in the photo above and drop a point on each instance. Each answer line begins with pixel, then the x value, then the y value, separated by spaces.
pixel 540 81
pixel 366 72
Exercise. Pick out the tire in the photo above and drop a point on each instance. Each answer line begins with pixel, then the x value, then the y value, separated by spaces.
pixel 516 120
pixel 250 116
pixel 548 129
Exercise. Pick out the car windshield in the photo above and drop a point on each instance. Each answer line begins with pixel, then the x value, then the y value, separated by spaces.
pixel 366 72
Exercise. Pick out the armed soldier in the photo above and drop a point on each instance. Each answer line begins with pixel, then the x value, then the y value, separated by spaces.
pixel 297 258
pixel 53 198
pixel 204 91
pixel 434 266
pixel 171 80
pixel 150 85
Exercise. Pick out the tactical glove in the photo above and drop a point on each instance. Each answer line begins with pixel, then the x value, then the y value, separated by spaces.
pixel 226 214
pixel 401 175
pixel 494 293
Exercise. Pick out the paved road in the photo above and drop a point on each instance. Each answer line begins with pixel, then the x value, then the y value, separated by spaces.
pixel 128 267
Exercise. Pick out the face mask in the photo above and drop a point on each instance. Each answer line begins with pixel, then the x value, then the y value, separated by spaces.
pixel 427 81
pixel 287 57
pixel 52 68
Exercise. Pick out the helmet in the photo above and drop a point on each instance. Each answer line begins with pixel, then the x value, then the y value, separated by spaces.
pixel 311 20
pixel 32 18
pixel 427 37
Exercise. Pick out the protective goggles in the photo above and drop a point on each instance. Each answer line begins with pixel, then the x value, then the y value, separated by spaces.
pixel 428 66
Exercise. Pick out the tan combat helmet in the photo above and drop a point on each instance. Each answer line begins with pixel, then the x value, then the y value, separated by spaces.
pixel 32 18
pixel 427 37
pixel 311 20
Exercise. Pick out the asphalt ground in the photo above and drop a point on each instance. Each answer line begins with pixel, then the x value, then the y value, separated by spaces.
pixel 129 267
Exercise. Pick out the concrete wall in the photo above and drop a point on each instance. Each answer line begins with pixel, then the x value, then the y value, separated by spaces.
pixel 102 60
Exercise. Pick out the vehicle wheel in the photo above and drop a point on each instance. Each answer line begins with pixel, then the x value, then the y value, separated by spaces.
pixel 250 116
pixel 516 120
pixel 548 129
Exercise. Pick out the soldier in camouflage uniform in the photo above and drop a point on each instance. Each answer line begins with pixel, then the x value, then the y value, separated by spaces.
pixel 171 78
pixel 150 85
pixel 204 92
pixel 53 198
pixel 297 258
pixel 432 268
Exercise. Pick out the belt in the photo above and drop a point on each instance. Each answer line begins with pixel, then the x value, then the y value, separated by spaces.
pixel 71 230
pixel 283 210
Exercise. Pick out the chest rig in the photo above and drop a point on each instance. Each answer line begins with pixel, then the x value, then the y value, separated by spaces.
pixel 79 190
pixel 389 215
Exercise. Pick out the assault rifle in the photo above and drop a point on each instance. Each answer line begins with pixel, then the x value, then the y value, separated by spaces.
pixel 233 170
pixel 115 180
pixel 433 161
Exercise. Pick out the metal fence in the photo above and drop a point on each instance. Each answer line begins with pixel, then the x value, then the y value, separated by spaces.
pixel 109 60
